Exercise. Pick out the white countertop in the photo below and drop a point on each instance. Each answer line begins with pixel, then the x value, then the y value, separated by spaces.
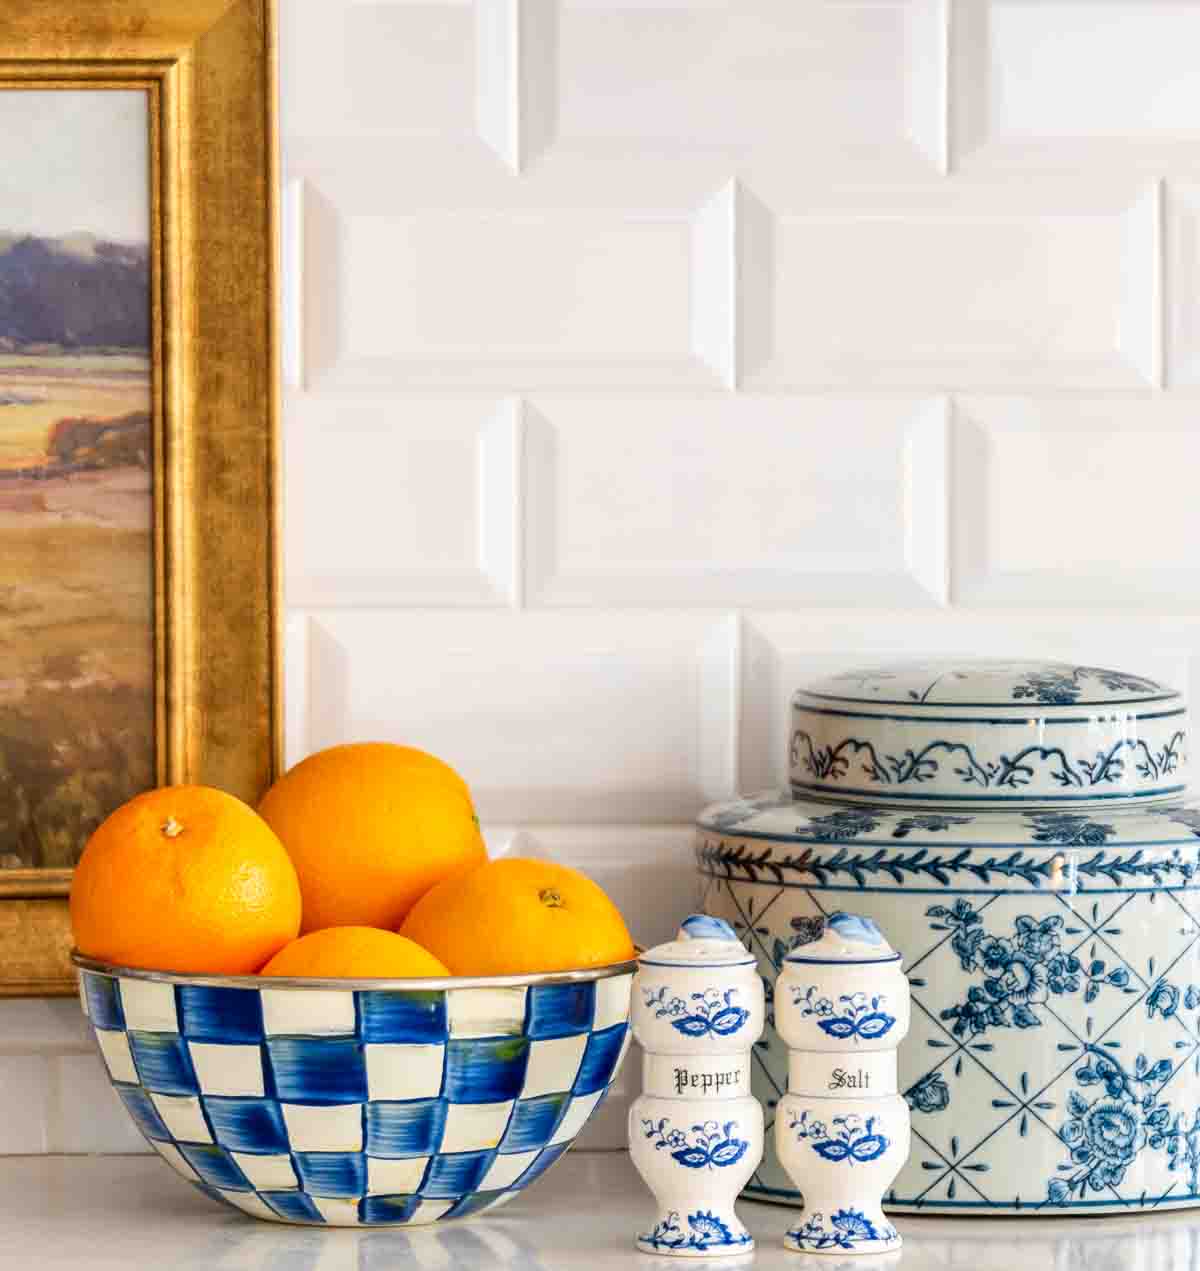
pixel 131 1212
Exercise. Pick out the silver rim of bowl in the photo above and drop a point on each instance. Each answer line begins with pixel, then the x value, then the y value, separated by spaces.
pixel 410 985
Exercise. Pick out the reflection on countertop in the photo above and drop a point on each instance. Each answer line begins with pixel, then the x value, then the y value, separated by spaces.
pixel 129 1212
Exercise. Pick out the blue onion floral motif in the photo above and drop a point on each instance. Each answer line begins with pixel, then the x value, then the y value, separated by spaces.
pixel 1021 971
pixel 1163 999
pixel 708 1013
pixel 1072 829
pixel 848 823
pixel 855 1016
pixel 851 1139
pixel 847 1228
pixel 929 1094
pixel 930 822
pixel 703 1146
pixel 1126 1116
pixel 705 1231
pixel 807 931
pixel 1060 685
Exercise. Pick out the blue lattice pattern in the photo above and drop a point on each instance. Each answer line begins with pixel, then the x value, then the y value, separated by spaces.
pixel 350 1107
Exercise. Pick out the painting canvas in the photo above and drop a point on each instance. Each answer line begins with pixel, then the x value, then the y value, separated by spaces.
pixel 77 627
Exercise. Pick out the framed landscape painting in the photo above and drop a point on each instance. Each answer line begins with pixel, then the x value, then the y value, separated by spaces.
pixel 138 408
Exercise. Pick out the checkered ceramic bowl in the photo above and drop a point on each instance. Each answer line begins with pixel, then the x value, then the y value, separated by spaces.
pixel 350 1102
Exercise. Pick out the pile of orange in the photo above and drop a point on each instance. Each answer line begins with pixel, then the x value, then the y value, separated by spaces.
pixel 362 861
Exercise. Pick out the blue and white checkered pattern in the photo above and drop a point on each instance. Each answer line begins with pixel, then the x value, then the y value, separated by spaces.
pixel 349 1107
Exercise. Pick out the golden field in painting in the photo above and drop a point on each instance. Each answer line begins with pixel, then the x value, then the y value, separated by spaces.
pixel 76 599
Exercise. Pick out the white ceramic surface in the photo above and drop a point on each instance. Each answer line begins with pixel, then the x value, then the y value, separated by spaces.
pixel 842 1130
pixel 696 1132
pixel 988 733
pixel 1053 1060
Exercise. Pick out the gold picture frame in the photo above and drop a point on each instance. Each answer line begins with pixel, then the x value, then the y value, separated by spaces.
pixel 208 67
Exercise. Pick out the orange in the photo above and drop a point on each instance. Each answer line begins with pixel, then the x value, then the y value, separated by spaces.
pixel 185 878
pixel 514 916
pixel 354 953
pixel 371 827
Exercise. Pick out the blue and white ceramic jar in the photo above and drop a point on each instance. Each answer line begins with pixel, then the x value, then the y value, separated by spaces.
pixel 696 1131
pixel 1018 833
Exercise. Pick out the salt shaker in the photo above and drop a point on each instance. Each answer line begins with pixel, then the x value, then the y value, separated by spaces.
pixel 842 1129
pixel 696 1133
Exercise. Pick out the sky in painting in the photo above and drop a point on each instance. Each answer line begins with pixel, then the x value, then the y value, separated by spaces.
pixel 75 162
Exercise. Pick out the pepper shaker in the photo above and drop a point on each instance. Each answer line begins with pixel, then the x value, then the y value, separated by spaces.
pixel 696 1133
pixel 842 1130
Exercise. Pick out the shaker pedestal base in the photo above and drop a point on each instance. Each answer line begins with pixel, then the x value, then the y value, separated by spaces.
pixel 844 1231
pixel 707 1233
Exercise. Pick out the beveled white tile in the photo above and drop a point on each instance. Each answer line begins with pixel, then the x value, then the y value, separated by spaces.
pixel 45 1021
pixel 85 1114
pixel 1062 455
pixel 1182 270
pixel 1073 81
pixel 427 521
pixel 596 716
pixel 25 1102
pixel 407 72
pixel 654 501
pixel 498 296
pixel 732 79
pixel 967 285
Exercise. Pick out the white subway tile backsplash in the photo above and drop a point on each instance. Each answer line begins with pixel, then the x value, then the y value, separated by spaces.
pixel 643 360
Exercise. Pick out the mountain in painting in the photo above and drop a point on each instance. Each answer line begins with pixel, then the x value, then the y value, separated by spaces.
pixel 77 292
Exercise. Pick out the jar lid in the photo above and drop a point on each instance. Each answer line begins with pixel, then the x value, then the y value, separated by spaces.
pixel 982 734
pixel 700 942
pixel 845 938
